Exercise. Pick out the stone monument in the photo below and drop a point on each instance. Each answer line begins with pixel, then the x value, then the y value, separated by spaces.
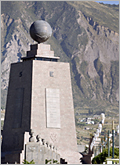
pixel 40 98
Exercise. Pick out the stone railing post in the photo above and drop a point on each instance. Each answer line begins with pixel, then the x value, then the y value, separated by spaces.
pixel 51 153
pixel 47 151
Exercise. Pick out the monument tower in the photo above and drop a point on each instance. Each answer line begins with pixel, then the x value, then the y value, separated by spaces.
pixel 40 98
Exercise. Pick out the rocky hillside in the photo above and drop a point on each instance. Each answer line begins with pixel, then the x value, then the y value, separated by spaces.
pixel 85 34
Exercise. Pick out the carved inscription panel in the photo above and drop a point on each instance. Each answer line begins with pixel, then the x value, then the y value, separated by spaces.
pixel 53 107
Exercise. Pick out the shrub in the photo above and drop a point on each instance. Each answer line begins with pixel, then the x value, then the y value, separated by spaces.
pixel 50 161
pixel 99 159
pixel 26 162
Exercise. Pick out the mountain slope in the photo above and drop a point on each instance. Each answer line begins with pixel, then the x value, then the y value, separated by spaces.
pixel 85 34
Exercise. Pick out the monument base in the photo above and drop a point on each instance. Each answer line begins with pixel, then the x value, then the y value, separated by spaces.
pixel 40 98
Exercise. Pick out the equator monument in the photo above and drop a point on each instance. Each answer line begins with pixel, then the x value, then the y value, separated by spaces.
pixel 39 111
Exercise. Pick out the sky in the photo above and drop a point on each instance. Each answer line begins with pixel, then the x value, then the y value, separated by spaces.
pixel 109 2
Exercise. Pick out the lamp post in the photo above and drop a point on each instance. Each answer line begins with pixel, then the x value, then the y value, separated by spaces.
pixel 108 143
pixel 117 129
pixel 102 143
pixel 113 134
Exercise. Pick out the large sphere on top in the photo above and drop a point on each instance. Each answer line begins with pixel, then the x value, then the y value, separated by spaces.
pixel 40 31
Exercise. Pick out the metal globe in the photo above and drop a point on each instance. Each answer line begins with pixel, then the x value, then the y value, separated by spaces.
pixel 40 31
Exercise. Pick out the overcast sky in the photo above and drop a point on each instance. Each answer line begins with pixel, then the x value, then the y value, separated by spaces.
pixel 109 2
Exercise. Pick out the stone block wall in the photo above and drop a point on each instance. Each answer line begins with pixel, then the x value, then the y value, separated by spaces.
pixel 40 151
